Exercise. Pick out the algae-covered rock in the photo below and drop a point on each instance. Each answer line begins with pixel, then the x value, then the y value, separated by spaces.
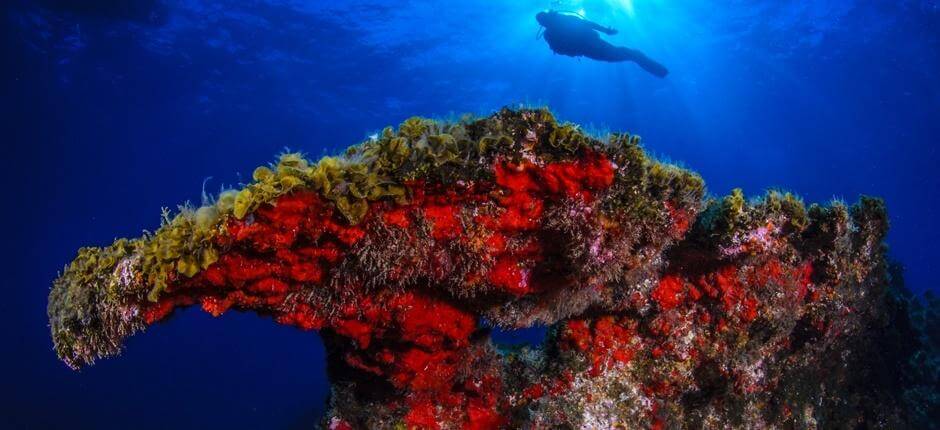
pixel 667 308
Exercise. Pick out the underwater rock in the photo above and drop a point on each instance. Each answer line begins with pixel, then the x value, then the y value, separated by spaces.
pixel 667 309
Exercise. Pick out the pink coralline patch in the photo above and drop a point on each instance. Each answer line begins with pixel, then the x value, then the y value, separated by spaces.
pixel 757 240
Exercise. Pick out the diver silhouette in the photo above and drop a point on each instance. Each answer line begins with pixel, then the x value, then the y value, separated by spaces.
pixel 574 36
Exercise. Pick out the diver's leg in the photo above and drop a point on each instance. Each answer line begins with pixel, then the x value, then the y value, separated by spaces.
pixel 603 51
pixel 646 63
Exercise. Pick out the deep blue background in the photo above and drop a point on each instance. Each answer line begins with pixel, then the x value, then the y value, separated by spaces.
pixel 112 112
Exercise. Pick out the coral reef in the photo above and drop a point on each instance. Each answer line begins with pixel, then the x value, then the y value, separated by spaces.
pixel 666 308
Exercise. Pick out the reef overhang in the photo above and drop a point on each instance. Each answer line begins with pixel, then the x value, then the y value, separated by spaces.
pixel 666 308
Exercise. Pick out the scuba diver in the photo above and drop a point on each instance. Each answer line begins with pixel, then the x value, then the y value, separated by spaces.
pixel 574 36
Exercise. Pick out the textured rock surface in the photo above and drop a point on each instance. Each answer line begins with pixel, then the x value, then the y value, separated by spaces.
pixel 667 309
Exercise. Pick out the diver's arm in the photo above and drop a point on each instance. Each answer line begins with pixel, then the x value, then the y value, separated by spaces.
pixel 610 31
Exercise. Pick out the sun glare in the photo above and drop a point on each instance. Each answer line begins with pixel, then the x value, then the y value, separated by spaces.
pixel 627 6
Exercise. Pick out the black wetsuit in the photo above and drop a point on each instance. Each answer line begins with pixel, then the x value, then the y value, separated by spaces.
pixel 577 37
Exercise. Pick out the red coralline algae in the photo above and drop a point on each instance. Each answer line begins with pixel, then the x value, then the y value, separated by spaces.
pixel 667 309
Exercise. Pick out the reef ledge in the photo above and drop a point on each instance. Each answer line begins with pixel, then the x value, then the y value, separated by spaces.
pixel 667 308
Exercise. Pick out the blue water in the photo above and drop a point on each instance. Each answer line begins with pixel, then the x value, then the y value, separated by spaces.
pixel 112 112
